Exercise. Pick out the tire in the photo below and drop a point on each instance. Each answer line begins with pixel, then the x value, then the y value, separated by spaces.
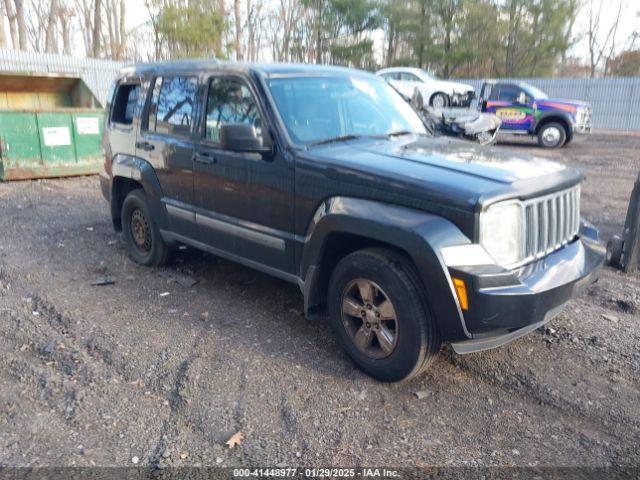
pixel 140 232
pixel 552 135
pixel 411 340
pixel 615 248
pixel 439 100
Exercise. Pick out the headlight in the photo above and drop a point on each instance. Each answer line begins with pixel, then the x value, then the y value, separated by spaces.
pixel 502 232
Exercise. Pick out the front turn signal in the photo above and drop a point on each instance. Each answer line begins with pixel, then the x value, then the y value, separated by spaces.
pixel 461 292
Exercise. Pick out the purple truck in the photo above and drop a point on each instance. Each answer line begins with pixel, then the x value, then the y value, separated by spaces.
pixel 527 110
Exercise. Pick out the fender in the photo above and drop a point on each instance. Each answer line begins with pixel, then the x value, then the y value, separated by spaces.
pixel 566 116
pixel 134 168
pixel 419 234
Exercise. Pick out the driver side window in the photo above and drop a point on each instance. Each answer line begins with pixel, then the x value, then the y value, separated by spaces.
pixel 510 93
pixel 230 101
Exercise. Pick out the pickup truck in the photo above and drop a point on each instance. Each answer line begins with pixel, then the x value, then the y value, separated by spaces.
pixel 527 110
pixel 327 178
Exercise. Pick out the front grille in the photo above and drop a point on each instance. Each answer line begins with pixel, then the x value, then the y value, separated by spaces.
pixel 583 121
pixel 551 222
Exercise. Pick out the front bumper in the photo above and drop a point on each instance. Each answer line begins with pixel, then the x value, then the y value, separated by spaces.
pixel 504 305
pixel 583 129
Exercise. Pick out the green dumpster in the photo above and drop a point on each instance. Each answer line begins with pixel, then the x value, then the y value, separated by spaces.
pixel 61 142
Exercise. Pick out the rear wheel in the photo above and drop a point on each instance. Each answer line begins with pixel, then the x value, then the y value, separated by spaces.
pixel 379 315
pixel 552 135
pixel 141 234
pixel 439 100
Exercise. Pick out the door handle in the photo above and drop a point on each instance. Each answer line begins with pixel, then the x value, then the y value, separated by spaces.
pixel 204 157
pixel 146 146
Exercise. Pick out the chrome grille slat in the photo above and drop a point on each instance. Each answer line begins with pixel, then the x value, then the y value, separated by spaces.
pixel 550 222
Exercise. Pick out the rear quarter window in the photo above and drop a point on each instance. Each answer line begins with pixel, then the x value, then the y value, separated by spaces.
pixel 124 103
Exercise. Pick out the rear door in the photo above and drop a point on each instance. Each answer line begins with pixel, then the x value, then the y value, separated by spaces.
pixel 166 142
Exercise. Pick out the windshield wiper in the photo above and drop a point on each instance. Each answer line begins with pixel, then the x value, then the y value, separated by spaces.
pixel 399 133
pixel 339 138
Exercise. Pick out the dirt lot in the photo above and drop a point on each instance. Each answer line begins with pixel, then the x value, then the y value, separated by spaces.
pixel 154 368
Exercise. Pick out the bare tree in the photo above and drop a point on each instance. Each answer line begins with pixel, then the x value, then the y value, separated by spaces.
pixel 65 18
pixel 601 47
pixel 37 21
pixel 3 36
pixel 18 15
pixel 85 14
pixel 255 27
pixel 116 34
pixel 51 45
pixel 286 26
pixel 238 22
pixel 11 16
pixel 97 26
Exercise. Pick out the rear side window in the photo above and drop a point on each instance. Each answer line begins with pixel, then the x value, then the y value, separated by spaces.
pixel 409 77
pixel 124 103
pixel 171 108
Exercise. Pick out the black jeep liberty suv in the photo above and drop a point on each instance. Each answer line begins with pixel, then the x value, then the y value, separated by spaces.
pixel 325 177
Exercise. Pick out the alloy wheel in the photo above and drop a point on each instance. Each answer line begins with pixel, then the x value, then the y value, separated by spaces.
pixel 551 136
pixel 369 318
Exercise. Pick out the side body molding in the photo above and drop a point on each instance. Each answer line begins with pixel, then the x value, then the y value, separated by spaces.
pixel 419 234
pixel 141 171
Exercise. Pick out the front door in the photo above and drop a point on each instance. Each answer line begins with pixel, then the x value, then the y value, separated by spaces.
pixel 166 143
pixel 512 105
pixel 244 201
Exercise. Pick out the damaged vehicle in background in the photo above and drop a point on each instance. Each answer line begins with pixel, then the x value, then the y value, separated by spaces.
pixel 458 123
pixel 428 89
pixel 528 111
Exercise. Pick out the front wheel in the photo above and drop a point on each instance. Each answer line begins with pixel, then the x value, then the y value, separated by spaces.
pixel 379 314
pixel 552 135
pixel 141 235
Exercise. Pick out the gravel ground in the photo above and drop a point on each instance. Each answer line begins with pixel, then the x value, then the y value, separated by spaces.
pixel 155 371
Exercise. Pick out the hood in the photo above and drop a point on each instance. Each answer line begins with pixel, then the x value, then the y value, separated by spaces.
pixel 446 170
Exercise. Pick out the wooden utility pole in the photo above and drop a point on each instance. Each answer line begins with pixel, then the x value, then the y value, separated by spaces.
pixel 624 252
pixel 631 255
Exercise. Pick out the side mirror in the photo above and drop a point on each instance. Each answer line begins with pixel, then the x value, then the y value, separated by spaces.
pixel 241 137
pixel 522 98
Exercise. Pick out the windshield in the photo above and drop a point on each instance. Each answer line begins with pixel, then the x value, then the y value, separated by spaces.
pixel 314 109
pixel 533 91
